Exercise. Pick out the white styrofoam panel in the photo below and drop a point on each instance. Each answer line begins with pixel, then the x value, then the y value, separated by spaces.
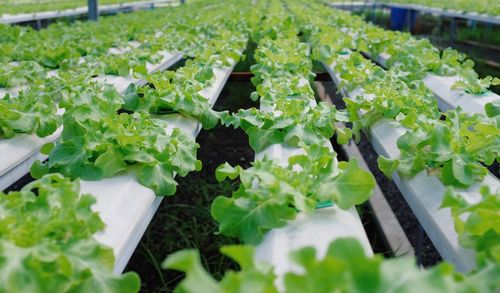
pixel 118 51
pixel 24 149
pixel 386 134
pixel 279 152
pixel 185 123
pixel 119 82
pixel 448 98
pixel 122 195
pixel 18 154
pixel 126 206
pixel 360 4
pixel 221 76
pixel 52 73
pixel 3 92
pixel 317 230
pixel 122 82
pixel 168 59
pixel 424 193
pixel 11 91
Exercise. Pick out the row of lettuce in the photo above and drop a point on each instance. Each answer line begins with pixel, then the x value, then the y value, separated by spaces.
pixel 60 63
pixel 271 194
pixel 411 58
pixel 455 145
pixel 105 133
pixel 47 228
pixel 95 141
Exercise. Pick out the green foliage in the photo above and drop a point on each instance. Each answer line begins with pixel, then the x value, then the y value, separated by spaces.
pixel 176 92
pixel 52 67
pixel 477 223
pixel 471 83
pixel 492 109
pixel 99 138
pixel 270 194
pixel 46 228
pixel 93 149
pixel 47 245
pixel 409 58
pixel 253 277
pixel 344 268
pixel 453 148
pixel 296 123
pixel 387 166
pixel 29 112
pixel 180 91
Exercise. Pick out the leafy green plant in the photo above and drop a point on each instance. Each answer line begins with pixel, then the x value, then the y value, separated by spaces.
pixel 29 112
pixel 176 92
pixel 252 277
pixel 477 222
pixel 452 148
pixel 47 245
pixel 297 123
pixel 60 62
pixel 492 109
pixel 13 75
pixel 92 150
pixel 270 194
pixel 472 84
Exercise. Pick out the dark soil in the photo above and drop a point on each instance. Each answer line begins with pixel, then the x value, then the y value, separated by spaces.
pixel 495 169
pixel 183 220
pixel 403 213
pixel 20 183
